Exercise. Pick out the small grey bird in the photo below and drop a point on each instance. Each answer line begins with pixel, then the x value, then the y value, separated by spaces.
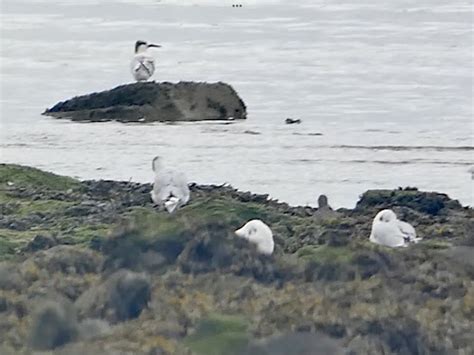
pixel 143 63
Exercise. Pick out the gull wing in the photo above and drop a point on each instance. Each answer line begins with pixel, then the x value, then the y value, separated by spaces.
pixel 408 231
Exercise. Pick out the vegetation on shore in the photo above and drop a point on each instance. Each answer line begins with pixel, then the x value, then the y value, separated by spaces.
pixel 193 287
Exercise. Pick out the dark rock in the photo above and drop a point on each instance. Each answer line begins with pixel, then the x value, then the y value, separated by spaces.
pixel 209 250
pixel 54 324
pixel 431 203
pixel 398 336
pixel 121 297
pixel 124 250
pixel 41 242
pixel 150 101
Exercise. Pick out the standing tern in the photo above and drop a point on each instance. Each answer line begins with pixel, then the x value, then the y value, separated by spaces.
pixel 143 63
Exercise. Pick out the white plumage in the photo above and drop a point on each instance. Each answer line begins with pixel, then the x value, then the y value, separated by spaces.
pixel 388 230
pixel 170 188
pixel 257 232
pixel 143 63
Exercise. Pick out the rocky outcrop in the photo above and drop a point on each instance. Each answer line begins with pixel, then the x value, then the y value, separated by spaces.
pixel 151 102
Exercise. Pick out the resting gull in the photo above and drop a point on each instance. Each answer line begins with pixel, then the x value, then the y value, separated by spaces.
pixel 170 188
pixel 258 233
pixel 388 230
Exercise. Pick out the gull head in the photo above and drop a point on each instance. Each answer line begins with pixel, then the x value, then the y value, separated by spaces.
pixel 142 46
pixel 385 216
pixel 258 233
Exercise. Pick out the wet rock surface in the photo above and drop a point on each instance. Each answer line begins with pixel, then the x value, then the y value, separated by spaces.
pixel 150 101
pixel 100 270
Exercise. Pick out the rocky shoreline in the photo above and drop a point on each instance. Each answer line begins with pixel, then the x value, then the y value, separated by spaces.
pixel 91 267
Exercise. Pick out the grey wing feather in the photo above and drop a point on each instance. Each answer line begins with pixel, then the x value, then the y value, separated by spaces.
pixel 408 231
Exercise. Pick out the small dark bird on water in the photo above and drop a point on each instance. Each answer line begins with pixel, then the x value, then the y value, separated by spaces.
pixel 292 121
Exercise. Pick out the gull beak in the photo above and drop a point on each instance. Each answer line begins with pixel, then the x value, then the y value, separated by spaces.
pixel 240 233
pixel 154 45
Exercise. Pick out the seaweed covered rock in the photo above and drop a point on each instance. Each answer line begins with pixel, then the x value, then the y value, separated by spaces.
pixel 54 324
pixel 67 259
pixel 122 296
pixel 193 242
pixel 150 101
pixel 431 203
pixel 328 263
pixel 10 278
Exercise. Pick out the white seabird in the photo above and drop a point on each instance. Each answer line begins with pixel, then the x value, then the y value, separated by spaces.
pixel 170 188
pixel 143 63
pixel 257 232
pixel 388 230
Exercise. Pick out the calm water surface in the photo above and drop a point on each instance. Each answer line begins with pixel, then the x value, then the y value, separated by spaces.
pixel 384 90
